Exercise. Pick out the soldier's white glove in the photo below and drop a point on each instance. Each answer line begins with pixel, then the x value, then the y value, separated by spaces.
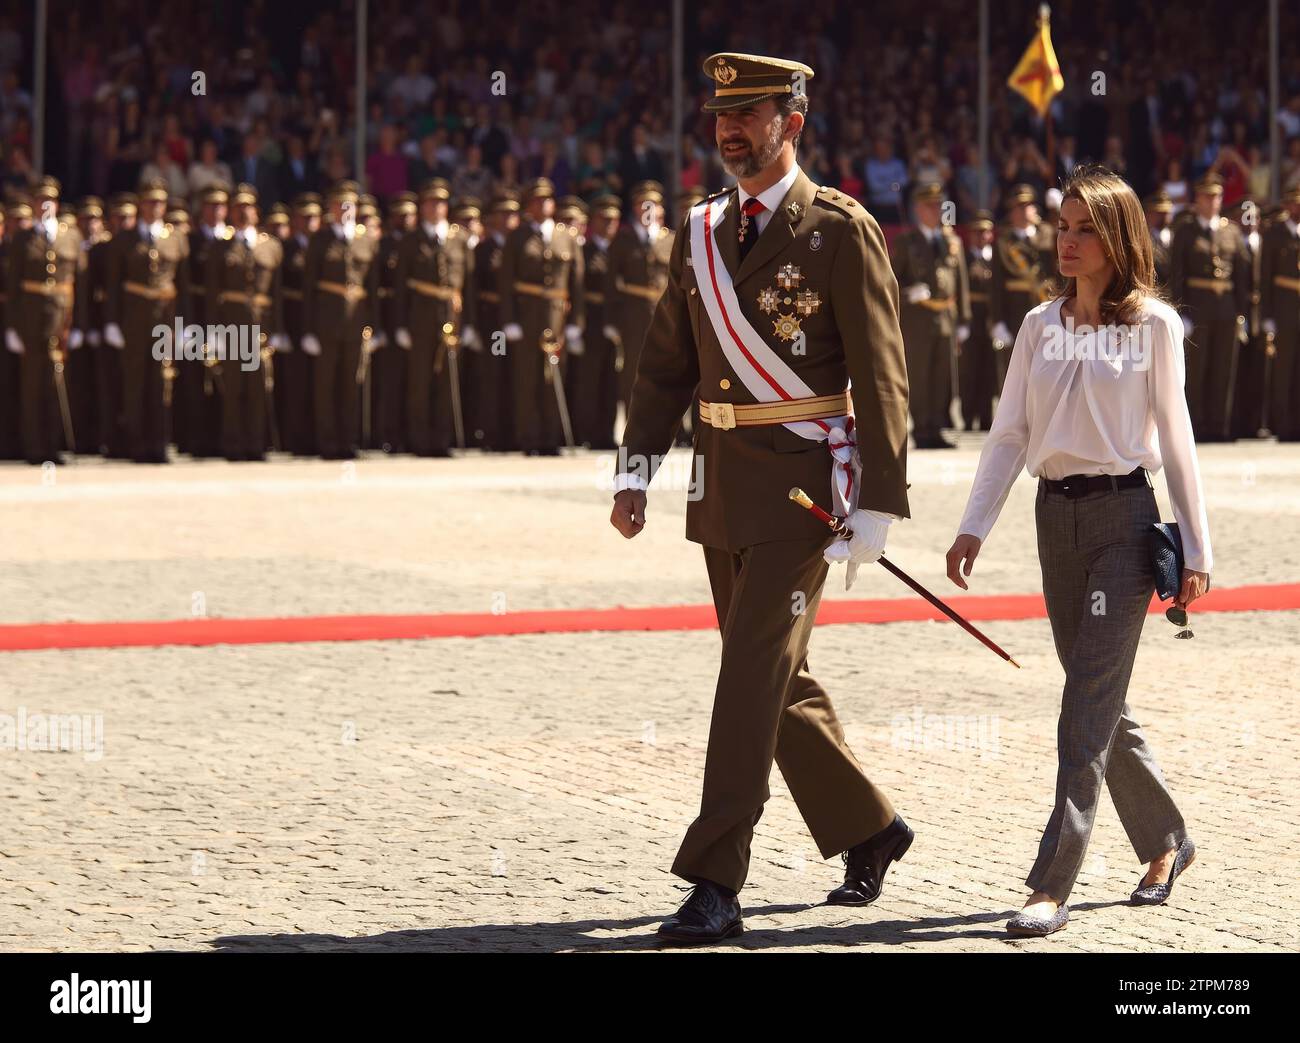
pixel 310 344
pixel 403 338
pixel 13 342
pixel 1188 325
pixel 113 335
pixel 93 338
pixel 279 342
pixel 513 331
pixel 963 334
pixel 1001 334
pixel 377 340
pixel 918 292
pixel 469 338
pixel 867 545
pixel 573 334
pixel 1243 329
pixel 75 339
pixel 1269 327
pixel 612 334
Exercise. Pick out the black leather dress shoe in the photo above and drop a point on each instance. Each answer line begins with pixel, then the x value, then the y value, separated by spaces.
pixel 707 915
pixel 865 864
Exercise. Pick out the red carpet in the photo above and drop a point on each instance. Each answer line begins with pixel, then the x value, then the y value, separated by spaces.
pixel 28 636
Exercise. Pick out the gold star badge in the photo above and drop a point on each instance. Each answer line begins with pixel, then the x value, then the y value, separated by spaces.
pixel 768 299
pixel 786 327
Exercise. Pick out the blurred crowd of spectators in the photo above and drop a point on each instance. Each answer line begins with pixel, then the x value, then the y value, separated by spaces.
pixel 490 93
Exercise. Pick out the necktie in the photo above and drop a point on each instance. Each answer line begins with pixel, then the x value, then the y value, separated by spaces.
pixel 749 224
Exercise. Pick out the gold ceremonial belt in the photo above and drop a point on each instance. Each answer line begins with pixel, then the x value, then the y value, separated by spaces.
pixel 257 300
pixel 1021 285
pixel 351 293
pixel 637 289
pixel 489 296
pixel 593 298
pixel 153 293
pixel 726 415
pixel 1214 285
pixel 291 294
pixel 555 293
pixel 432 289
pixel 47 289
pixel 1285 283
pixel 979 297
pixel 937 303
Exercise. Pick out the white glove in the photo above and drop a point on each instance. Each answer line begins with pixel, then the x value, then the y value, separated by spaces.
pixel 611 333
pixel 1269 327
pixel 93 338
pixel 867 545
pixel 1243 329
pixel 918 292
pixel 13 342
pixel 310 344
pixel 377 340
pixel 469 338
pixel 963 334
pixel 75 339
pixel 403 338
pixel 1002 334
pixel 279 342
pixel 513 331
pixel 113 335
pixel 1188 326
pixel 573 334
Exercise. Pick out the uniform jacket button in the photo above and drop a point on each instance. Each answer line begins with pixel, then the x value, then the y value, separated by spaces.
pixel 725 384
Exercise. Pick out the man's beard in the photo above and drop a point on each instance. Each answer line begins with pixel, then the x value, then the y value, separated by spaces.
pixel 752 162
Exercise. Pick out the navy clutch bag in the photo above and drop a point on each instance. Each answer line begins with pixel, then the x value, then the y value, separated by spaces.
pixel 1166 558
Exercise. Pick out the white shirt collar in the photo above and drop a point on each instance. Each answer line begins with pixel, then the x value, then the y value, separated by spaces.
pixel 601 242
pixel 1208 222
pixel 1293 226
pixel 346 230
pixel 436 230
pixel 248 234
pixel 50 226
pixel 771 196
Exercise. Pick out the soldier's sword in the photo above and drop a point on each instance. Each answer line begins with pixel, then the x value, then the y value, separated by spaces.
pixel 453 374
pixel 557 382
pixel 268 387
pixel 61 387
pixel 842 530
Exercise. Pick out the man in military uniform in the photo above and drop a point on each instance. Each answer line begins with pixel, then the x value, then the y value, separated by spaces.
pixel 42 263
pixel 148 277
pixel 638 273
pixel 108 360
pixel 388 364
pixel 1246 410
pixel 245 302
pixel 1024 263
pixel 1209 279
pixel 595 386
pixel 930 267
pixel 779 293
pixel 1279 308
pixel 467 213
pixel 1159 210
pixel 493 383
pixel 196 391
pixel 434 268
pixel 540 282
pixel 296 378
pixel 975 365
pixel 84 338
pixel 340 289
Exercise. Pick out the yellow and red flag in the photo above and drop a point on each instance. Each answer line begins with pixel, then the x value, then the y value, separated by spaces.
pixel 1038 77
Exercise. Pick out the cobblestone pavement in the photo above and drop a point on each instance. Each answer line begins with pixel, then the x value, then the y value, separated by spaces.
pixel 529 792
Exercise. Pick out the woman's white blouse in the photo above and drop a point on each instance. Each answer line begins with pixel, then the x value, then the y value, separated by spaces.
pixel 1094 403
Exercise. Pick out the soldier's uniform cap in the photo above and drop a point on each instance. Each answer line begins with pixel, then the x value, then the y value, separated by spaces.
pixel 45 188
pixel 504 203
pixel 398 206
pixel 468 208
pixel 740 80
pixel 177 216
pixel 983 220
pixel 154 191
pixel 1159 202
pixel 20 210
pixel 571 206
pixel 278 215
pixel 1018 195
pixel 647 190
pixel 539 188
pixel 435 188
pixel 1210 184
pixel 345 191
pixel 245 194
pixel 121 204
pixel 367 199
pixel 216 193
pixel 91 206
pixel 307 203
pixel 927 191
pixel 606 205
pixel 367 210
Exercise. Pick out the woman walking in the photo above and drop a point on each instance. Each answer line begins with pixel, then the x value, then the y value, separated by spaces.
pixel 1093 405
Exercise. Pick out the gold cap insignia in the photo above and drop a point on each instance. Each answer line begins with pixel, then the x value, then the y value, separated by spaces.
pixel 724 72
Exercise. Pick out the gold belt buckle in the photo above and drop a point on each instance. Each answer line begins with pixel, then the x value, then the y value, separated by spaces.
pixel 724 415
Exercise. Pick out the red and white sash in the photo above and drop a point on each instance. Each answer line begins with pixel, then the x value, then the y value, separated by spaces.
pixel 764 373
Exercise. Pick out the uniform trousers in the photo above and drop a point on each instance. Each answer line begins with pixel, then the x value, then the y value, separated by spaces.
pixel 1098 581
pixel 769 707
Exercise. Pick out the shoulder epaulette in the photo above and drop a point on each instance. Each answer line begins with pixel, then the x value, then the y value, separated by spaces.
pixel 846 204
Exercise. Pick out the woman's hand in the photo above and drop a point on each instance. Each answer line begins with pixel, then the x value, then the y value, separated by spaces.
pixel 964 548
pixel 1194 585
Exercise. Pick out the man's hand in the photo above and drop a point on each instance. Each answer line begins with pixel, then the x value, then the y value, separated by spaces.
pixel 628 515
pixel 870 529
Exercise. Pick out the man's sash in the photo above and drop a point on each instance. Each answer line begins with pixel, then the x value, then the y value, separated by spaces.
pixel 764 373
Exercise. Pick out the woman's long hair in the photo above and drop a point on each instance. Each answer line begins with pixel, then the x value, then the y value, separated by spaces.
pixel 1117 214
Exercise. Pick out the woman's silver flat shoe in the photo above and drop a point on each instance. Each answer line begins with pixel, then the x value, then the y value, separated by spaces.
pixel 1158 894
pixel 1037 927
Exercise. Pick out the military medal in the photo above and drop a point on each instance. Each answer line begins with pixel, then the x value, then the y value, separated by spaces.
pixel 788 277
pixel 815 243
pixel 786 327
pixel 807 302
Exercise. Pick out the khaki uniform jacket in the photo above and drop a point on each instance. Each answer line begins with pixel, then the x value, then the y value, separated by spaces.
pixel 40 279
pixel 161 269
pixel 1279 284
pixel 916 260
pixel 746 473
pixel 331 264
pixel 483 311
pixel 527 260
pixel 291 282
pixel 244 284
pixel 1197 253
pixel 424 264
pixel 1023 268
